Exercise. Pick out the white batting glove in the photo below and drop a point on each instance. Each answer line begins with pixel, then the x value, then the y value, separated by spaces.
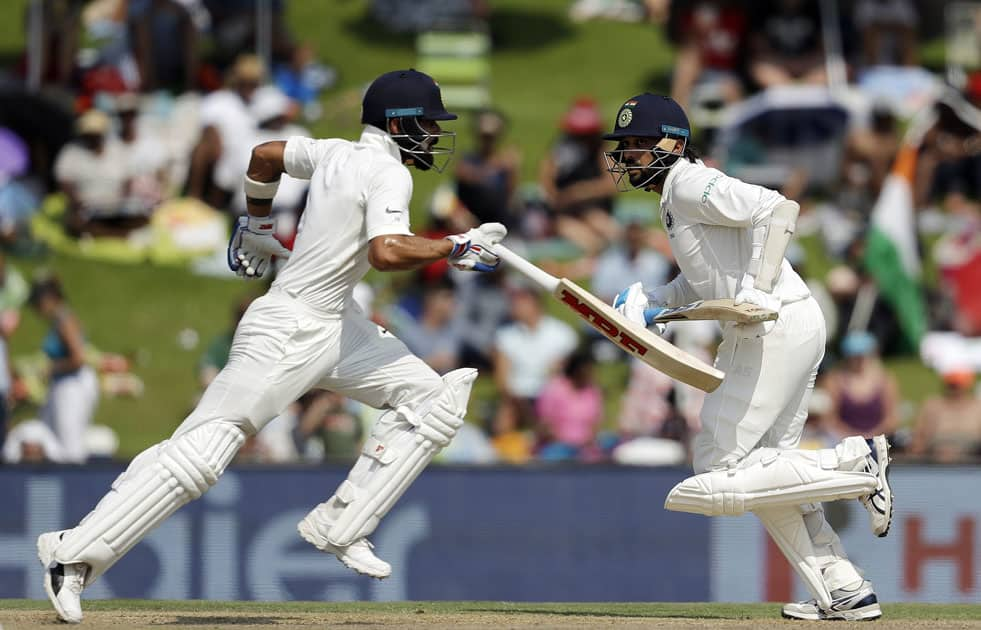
pixel 252 246
pixel 634 304
pixel 473 250
pixel 749 294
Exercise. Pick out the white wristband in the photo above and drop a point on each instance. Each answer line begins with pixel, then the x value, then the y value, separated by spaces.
pixel 260 190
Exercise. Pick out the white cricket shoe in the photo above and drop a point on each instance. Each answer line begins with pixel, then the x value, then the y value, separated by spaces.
pixel 62 582
pixel 858 604
pixel 358 555
pixel 879 503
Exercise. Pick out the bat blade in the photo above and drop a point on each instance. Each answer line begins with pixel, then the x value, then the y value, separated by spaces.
pixel 636 340
pixel 723 310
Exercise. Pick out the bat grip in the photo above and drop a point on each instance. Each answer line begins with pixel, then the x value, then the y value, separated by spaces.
pixel 529 270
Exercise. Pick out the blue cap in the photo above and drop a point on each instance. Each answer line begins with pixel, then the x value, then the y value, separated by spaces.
pixel 403 93
pixel 650 116
pixel 858 343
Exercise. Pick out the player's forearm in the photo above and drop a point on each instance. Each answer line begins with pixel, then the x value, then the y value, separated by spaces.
pixel 399 252
pixel 262 178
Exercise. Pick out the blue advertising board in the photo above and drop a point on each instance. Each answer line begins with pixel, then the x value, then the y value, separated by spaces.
pixel 553 534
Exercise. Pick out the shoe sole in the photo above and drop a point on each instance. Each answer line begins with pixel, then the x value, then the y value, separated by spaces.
pixel 868 613
pixel 882 453
pixel 800 616
pixel 44 554
pixel 308 534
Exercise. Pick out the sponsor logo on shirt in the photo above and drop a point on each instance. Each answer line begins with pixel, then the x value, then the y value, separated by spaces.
pixel 709 186
pixel 390 211
pixel 668 220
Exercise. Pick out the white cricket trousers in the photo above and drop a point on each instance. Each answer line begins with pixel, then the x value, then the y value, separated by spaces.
pixel 69 410
pixel 283 349
pixel 762 402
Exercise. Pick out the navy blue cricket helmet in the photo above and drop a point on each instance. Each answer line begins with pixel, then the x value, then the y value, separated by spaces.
pixel 410 96
pixel 650 116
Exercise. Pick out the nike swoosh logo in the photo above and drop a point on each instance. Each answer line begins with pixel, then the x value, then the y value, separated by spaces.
pixel 390 211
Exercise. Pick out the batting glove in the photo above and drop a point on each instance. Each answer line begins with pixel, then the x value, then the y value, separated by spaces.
pixel 749 294
pixel 473 250
pixel 634 304
pixel 252 246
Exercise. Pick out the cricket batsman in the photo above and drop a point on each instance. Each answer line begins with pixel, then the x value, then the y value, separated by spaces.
pixel 307 332
pixel 729 238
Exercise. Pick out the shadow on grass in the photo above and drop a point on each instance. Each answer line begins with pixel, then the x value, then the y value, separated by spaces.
pixel 369 30
pixel 514 29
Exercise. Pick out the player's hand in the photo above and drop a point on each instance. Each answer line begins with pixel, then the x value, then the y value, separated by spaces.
pixel 253 246
pixel 749 294
pixel 634 304
pixel 473 250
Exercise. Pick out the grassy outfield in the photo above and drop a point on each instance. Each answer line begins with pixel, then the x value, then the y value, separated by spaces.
pixel 541 62
pixel 133 613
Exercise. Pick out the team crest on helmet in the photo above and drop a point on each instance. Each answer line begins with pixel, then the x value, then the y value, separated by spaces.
pixel 626 115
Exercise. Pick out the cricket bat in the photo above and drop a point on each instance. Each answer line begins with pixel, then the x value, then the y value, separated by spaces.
pixel 630 337
pixel 723 310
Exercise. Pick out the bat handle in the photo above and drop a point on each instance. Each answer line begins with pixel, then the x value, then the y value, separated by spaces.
pixel 532 272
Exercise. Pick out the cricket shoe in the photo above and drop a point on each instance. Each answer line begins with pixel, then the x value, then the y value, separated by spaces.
pixel 62 582
pixel 879 503
pixel 357 556
pixel 858 604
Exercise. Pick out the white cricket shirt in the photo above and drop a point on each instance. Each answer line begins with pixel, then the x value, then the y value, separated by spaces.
pixel 358 190
pixel 709 218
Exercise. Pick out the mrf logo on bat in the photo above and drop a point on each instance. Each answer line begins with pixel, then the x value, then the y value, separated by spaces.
pixel 604 325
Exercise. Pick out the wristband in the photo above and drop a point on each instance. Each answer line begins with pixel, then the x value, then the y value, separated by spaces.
pixel 260 190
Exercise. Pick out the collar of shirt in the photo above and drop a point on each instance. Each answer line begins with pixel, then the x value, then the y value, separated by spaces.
pixel 375 137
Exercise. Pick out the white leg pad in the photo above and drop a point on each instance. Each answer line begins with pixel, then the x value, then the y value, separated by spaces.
pixel 770 477
pixel 156 484
pixel 787 528
pixel 402 443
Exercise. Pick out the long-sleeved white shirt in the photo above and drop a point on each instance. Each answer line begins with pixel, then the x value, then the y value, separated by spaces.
pixel 709 218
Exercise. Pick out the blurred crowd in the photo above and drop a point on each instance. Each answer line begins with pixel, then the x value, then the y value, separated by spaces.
pixel 785 93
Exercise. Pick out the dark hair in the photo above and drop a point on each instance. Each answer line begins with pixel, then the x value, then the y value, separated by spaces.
pixel 576 362
pixel 49 285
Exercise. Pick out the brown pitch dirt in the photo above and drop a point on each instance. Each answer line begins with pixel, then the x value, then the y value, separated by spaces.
pixel 238 620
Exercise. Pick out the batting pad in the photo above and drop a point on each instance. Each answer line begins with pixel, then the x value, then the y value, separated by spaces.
pixel 402 443
pixel 770 478
pixel 156 484
pixel 787 529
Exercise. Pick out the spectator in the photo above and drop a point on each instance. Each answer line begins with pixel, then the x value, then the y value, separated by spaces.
pixel 331 419
pixel 634 260
pixel 146 153
pixel 577 187
pixel 527 351
pixel 270 109
pixel 227 124
pixel 948 427
pixel 486 178
pixel 570 410
pixel 73 389
pixel 786 44
pixel 887 30
pixel 864 396
pixel 512 443
pixel 165 41
pixel 216 354
pixel 31 442
pixel 868 158
pixel 95 176
pixel 436 336
pixel 712 36
pixel 303 79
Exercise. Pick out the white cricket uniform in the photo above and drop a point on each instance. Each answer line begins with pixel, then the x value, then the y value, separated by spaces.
pixel 308 332
pixel 762 402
